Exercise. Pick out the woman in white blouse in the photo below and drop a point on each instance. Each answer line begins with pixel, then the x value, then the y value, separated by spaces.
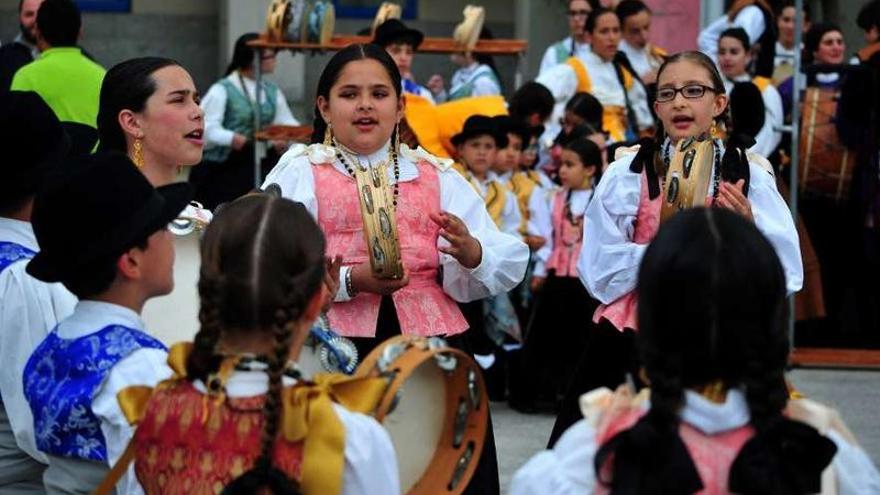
pixel 227 171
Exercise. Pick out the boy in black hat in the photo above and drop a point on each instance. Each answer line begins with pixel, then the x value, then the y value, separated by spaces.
pixel 477 147
pixel 35 143
pixel 102 231
pixel 401 43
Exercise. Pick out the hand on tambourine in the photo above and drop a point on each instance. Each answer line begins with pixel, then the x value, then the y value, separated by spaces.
pixel 363 280
pixel 464 247
pixel 331 280
pixel 730 196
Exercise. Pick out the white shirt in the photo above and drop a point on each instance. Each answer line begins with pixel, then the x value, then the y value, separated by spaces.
pixel 567 469
pixel 142 367
pixel 562 82
pixel 750 18
pixel 609 262
pixel 783 55
pixel 483 86
pixel 370 459
pixel 769 136
pixel 29 310
pixel 551 56
pixel 504 256
pixel 541 220
pixel 640 58
pixel 214 105
pixel 511 217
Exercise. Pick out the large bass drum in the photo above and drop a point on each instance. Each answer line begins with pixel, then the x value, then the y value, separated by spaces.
pixel 826 165
pixel 435 408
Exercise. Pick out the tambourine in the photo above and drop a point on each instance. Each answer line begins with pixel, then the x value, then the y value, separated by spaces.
pixel 689 176
pixel 193 217
pixel 435 409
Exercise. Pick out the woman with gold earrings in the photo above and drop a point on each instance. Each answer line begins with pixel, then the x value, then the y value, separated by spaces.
pixel 149 109
pixel 444 247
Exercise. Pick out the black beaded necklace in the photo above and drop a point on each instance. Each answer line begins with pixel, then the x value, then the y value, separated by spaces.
pixel 350 168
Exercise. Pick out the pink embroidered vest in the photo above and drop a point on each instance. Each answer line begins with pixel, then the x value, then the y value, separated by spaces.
pixel 622 312
pixel 567 239
pixel 422 307
pixel 712 454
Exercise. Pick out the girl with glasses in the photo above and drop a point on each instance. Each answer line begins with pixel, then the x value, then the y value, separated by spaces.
pixel 624 216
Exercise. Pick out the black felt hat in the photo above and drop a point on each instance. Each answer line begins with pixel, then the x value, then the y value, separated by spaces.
pixel 33 143
pixel 480 125
pixel 509 125
pixel 98 209
pixel 393 31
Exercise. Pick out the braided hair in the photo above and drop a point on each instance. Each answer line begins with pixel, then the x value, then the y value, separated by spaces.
pixel 262 263
pixel 712 308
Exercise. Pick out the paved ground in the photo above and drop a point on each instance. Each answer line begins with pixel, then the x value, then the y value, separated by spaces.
pixel 854 393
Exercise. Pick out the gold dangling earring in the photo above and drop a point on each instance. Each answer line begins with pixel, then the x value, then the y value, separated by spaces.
pixel 138 153
pixel 396 149
pixel 713 131
pixel 328 135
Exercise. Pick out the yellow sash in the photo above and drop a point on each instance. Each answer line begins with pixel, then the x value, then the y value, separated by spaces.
pixel 523 184
pixel 761 82
pixel 308 414
pixel 614 119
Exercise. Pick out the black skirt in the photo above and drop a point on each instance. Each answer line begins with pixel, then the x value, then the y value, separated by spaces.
pixel 485 479
pixel 556 336
pixel 608 357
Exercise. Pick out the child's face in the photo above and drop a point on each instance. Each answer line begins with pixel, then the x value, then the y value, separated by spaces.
pixel 687 117
pixel 402 53
pixel 733 57
pixel 478 154
pixel 572 172
pixel 157 263
pixel 363 106
pixel 507 159
pixel 570 120
pixel 529 153
pixel 636 29
pixel 872 35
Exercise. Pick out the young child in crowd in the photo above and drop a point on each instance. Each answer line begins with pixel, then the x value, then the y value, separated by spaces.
pixel 559 327
pixel 102 231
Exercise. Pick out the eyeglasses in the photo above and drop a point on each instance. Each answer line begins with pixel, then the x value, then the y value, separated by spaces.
pixel 578 13
pixel 691 92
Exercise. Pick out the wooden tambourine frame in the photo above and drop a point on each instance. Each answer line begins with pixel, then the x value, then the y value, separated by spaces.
pixel 467 408
pixel 688 178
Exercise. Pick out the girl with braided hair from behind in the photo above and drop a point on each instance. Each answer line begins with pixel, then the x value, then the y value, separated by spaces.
pixel 261 288
pixel 719 418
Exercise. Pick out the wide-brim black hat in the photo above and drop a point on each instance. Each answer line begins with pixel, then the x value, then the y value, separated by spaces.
pixel 480 125
pixel 95 211
pixel 33 141
pixel 394 31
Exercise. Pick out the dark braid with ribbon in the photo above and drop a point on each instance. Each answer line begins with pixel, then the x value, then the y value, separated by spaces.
pixel 257 278
pixel 730 333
